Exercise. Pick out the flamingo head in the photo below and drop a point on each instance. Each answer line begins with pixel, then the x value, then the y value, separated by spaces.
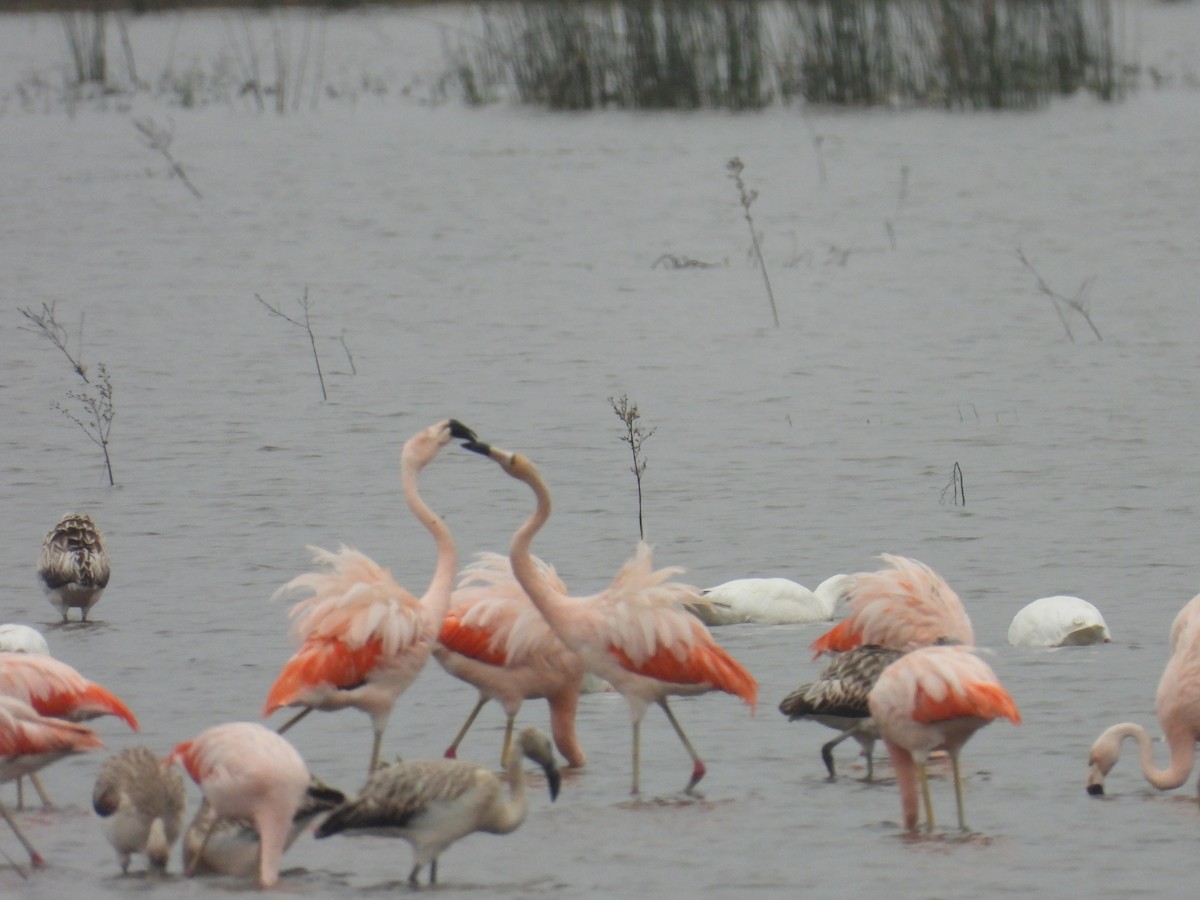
pixel 422 447
pixel 1101 759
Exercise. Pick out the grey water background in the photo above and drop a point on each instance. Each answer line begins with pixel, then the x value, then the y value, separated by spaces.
pixel 497 265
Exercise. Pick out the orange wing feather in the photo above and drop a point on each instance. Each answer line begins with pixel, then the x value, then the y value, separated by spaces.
pixel 702 664
pixel 469 641
pixel 91 701
pixel 983 700
pixel 322 661
pixel 839 638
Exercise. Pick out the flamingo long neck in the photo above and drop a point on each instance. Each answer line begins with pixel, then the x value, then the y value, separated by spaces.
pixel 1183 752
pixel 511 813
pixel 437 596
pixel 548 602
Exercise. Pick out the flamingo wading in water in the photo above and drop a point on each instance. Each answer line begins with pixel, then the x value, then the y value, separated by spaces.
pixel 637 634
pixel 1177 705
pixel 495 639
pixel 73 565
pixel 248 774
pixel 30 741
pixel 934 698
pixel 363 638
pixel 431 803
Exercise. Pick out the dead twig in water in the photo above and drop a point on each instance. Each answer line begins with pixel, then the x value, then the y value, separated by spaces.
pixel 305 305
pixel 99 413
pixel 1077 303
pixel 634 436
pixel 48 327
pixel 956 485
pixel 159 138
pixel 735 167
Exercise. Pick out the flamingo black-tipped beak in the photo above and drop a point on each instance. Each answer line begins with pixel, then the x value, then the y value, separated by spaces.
pixel 554 780
pixel 468 437
pixel 1096 790
pixel 461 431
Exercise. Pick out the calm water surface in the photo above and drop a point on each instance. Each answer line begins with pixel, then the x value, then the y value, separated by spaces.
pixel 497 265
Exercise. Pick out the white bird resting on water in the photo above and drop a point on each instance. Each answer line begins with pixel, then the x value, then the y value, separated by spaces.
pixel 1059 621
pixel 770 601
pixel 16 638
pixel 431 803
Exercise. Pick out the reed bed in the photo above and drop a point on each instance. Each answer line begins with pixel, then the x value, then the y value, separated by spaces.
pixel 746 54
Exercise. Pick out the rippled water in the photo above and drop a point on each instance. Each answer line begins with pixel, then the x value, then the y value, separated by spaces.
pixel 497 265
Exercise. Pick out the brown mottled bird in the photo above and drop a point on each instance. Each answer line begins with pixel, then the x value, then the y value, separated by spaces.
pixel 838 699
pixel 431 803
pixel 73 565
pixel 141 802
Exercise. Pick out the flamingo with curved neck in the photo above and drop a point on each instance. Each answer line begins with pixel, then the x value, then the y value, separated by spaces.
pixel 363 638
pixel 637 634
pixel 1177 705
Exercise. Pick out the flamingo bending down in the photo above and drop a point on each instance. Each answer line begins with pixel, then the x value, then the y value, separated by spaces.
pixel 934 698
pixel 248 773
pixel 431 803
pixel 73 565
pixel 905 606
pixel 28 742
pixel 1059 621
pixel 838 698
pixel 363 638
pixel 227 847
pixel 770 601
pixel 636 634
pixel 1177 705
pixel 494 638
pixel 141 802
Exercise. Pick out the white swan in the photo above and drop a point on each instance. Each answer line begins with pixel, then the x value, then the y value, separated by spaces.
pixel 770 601
pixel 1059 621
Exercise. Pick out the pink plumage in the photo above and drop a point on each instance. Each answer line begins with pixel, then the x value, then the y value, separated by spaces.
pixel 637 634
pixel 934 698
pixel 1177 707
pixel 56 689
pixel 494 638
pixel 249 773
pixel 30 741
pixel 364 638
pixel 905 606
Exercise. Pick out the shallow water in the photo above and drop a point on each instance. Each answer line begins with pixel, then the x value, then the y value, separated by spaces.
pixel 496 265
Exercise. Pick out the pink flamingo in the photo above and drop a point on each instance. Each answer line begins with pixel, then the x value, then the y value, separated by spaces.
pixel 1177 705
pixel 30 741
pixel 934 698
pixel 248 773
pixel 55 689
pixel 363 638
pixel 637 634
pixel 494 638
pixel 902 607
pixel 1184 619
